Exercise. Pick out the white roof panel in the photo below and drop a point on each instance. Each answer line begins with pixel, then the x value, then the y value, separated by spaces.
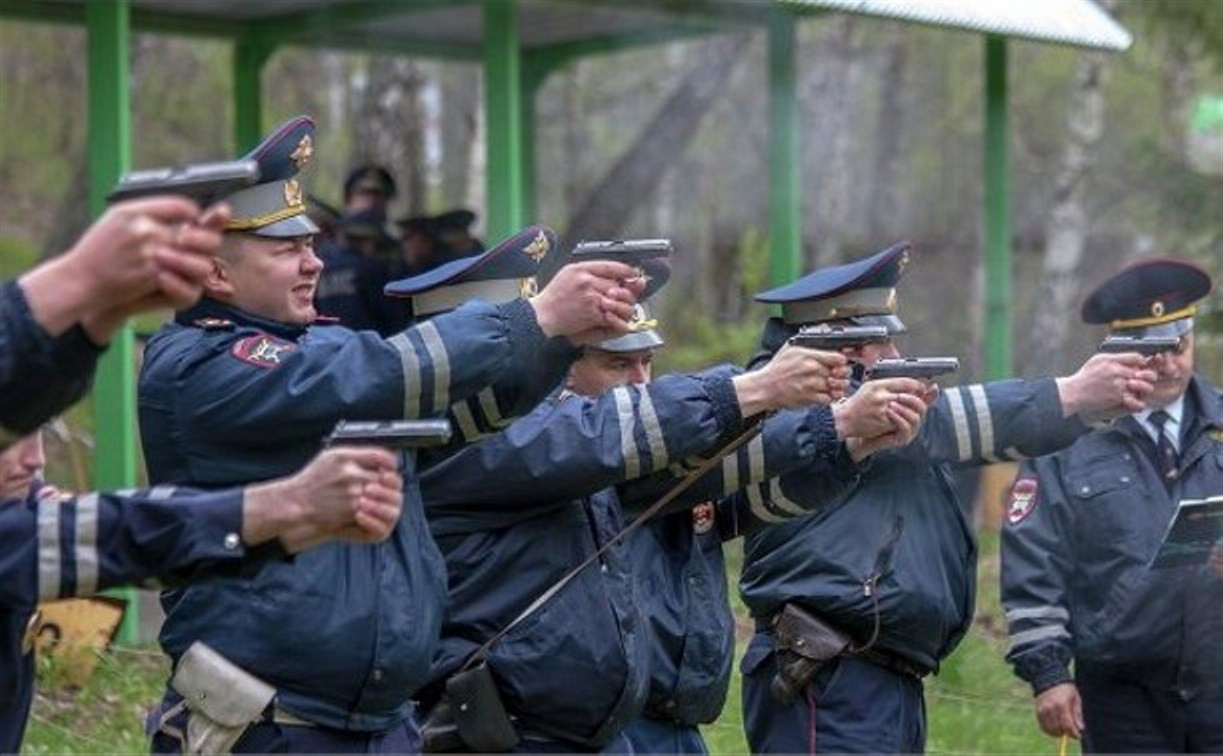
pixel 1069 22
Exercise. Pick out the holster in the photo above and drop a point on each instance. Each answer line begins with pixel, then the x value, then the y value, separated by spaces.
pixel 223 699
pixel 803 644
pixel 469 716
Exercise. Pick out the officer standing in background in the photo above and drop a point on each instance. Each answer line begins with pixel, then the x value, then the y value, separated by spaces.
pixel 244 386
pixel 56 546
pixel 56 319
pixel 368 187
pixel 1082 528
pixel 894 567
pixel 354 271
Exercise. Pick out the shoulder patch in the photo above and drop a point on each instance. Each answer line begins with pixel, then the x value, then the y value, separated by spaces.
pixel 1022 501
pixel 213 324
pixel 262 350
pixel 702 517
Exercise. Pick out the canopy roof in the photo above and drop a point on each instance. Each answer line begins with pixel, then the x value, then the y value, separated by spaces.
pixel 454 28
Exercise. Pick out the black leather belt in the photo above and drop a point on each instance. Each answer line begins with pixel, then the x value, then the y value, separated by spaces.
pixel 877 656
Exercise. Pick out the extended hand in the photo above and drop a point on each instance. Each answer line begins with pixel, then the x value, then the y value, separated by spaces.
pixel 1107 386
pixel 589 301
pixel 795 377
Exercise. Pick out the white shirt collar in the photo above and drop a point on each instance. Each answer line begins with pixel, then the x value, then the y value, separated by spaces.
pixel 1172 428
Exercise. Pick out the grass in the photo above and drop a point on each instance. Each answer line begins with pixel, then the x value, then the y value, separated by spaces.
pixel 974 705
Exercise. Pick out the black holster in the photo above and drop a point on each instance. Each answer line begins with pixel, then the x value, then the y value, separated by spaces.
pixel 803 644
pixel 469 716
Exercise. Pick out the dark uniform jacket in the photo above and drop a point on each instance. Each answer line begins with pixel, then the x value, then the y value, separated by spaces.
pixel 40 376
pixel 793 467
pixel 53 546
pixel 346 632
pixel 901 543
pixel 1083 525
pixel 515 512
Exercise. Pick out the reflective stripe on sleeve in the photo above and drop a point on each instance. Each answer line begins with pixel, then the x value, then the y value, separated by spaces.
pixel 628 447
pixel 783 503
pixel 955 401
pixel 411 374
pixel 87 545
pixel 1037 634
pixel 653 431
pixel 985 420
pixel 467 423
pixel 441 364
pixel 756 502
pixel 1038 612
pixel 50 561
pixel 488 403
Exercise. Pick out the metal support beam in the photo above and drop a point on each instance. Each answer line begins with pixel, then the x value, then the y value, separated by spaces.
pixel 997 213
pixel 250 53
pixel 503 118
pixel 785 216
pixel 108 27
pixel 535 71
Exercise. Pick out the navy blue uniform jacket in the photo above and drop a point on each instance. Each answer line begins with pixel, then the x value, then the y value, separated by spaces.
pixel 53 546
pixel 1083 525
pixel 346 632
pixel 40 376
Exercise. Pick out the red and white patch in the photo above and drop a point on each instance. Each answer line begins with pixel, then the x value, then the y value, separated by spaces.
pixel 1023 500
pixel 702 517
pixel 262 350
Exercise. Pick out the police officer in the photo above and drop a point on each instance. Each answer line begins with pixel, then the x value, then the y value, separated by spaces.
pixel 551 507
pixel 368 187
pixel 55 546
pixel 355 271
pixel 893 566
pixel 56 319
pixel 1082 528
pixel 244 386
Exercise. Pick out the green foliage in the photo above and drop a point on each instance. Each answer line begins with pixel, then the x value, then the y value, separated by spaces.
pixel 16 257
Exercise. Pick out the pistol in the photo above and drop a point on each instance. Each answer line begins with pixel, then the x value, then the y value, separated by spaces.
pixel 834 338
pixel 924 368
pixel 391 434
pixel 622 250
pixel 203 182
pixel 1144 345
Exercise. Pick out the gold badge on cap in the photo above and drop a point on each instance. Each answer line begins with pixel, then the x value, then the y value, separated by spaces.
pixel 293 193
pixel 640 321
pixel 527 287
pixel 1157 309
pixel 538 247
pixel 304 151
pixel 904 260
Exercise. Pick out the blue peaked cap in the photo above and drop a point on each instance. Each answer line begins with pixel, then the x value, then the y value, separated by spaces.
pixel 1153 297
pixel 276 206
pixel 863 292
pixel 500 274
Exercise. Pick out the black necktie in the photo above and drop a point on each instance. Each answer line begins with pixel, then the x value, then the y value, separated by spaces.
pixel 1165 452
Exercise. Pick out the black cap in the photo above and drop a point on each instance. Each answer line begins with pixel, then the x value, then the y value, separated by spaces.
pixel 1153 297
pixel 371 177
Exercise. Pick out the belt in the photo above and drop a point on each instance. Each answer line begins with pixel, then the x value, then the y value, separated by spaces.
pixel 877 656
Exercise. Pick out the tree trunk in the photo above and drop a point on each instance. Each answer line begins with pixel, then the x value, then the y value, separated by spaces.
pixel 1067 226
pixel 460 87
pixel 389 128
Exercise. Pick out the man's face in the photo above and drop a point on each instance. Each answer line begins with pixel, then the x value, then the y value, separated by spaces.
pixel 366 198
pixel 271 278
pixel 1172 373
pixel 597 371
pixel 19 464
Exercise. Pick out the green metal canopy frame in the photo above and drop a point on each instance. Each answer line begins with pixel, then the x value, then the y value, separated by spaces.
pixel 520 43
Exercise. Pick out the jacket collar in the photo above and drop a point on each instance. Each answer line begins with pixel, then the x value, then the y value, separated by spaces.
pixel 211 308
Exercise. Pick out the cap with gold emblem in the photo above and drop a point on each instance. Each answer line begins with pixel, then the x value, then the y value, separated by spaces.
pixel 862 292
pixel 643 328
pixel 276 206
pixel 503 273
pixel 1149 298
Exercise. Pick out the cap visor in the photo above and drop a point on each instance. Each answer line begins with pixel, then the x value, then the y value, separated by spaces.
pixel 632 342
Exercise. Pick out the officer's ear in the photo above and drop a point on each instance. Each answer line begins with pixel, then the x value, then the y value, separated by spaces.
pixel 219 282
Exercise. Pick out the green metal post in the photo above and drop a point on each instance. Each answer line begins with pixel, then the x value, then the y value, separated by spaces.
pixel 785 217
pixel 250 53
pixel 535 71
pixel 503 118
pixel 997 213
pixel 114 405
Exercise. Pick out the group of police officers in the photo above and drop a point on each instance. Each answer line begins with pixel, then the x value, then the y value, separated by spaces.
pixel 556 580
